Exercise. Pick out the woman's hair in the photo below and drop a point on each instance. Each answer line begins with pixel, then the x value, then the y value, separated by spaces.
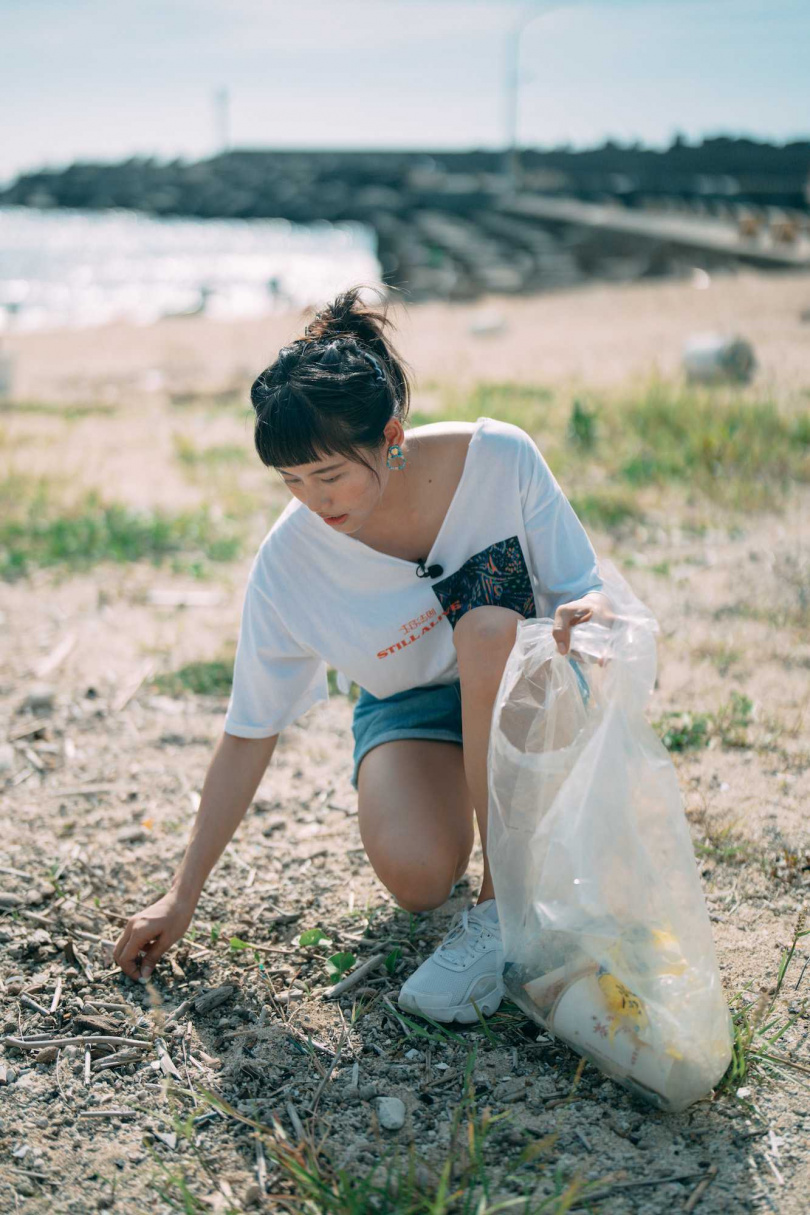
pixel 332 391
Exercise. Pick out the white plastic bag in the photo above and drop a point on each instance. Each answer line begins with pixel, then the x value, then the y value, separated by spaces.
pixel 607 941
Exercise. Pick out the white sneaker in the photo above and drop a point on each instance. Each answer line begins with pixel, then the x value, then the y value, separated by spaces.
pixel 467 966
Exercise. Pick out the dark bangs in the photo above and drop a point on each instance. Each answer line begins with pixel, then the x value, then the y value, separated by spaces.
pixel 291 429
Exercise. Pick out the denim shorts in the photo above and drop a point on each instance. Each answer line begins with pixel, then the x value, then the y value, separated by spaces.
pixel 425 712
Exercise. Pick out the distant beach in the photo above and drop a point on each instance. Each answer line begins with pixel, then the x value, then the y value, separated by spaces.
pixel 83 268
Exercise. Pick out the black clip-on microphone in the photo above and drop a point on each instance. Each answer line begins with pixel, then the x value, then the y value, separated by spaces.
pixel 429 571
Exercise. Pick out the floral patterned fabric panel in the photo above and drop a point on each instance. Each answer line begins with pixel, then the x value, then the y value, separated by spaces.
pixel 496 577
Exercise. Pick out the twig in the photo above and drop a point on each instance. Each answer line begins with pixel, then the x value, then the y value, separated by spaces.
pixel 57 995
pixel 261 1166
pixel 132 688
pixel 108 1113
pixel 177 1012
pixel 91 790
pixel 83 1040
pixel 27 731
pixel 166 1062
pixel 297 1125
pixel 40 1008
pixel 87 1067
pixel 56 656
pixel 332 1067
pixel 59 1079
pixel 20 873
pixel 355 977
pixel 119 1059
pixel 700 1189
pixel 600 1195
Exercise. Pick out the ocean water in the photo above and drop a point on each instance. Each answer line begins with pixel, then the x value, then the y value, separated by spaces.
pixel 81 268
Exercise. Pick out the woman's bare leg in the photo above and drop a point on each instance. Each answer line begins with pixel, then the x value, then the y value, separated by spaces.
pixel 483 638
pixel 415 815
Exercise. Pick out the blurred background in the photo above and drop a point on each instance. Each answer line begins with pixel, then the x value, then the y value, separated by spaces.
pixel 236 159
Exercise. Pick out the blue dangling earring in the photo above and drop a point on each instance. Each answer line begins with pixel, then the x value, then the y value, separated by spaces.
pixel 396 453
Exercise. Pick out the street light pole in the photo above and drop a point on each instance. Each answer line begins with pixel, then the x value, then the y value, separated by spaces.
pixel 512 89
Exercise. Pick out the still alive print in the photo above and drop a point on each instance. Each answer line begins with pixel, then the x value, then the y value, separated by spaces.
pixel 495 577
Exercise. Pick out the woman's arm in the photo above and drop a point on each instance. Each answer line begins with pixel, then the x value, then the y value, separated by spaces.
pixel 232 780
pixel 230 784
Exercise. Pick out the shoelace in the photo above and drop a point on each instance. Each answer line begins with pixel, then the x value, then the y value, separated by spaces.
pixel 457 940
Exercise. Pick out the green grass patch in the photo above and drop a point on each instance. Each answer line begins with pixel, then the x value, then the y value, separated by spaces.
pixel 684 731
pixel 70 412
pixel 189 454
pixel 215 678
pixel 689 731
pixel 38 531
pixel 760 1024
pixel 740 453
pixel 199 678
pixel 525 405
pixel 721 655
pixel 724 845
pixel 608 509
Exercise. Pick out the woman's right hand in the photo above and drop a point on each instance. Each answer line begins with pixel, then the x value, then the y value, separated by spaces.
pixel 151 933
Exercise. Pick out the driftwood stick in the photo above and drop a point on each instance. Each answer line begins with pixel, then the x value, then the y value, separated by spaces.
pixel 297 1125
pixel 647 1182
pixel 83 1040
pixel 40 1008
pixel 700 1189
pixel 355 977
pixel 178 1012
pixel 57 995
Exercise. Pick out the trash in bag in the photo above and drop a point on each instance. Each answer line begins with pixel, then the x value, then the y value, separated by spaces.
pixel 607 941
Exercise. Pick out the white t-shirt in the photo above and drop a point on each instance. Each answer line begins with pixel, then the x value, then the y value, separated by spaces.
pixel 317 597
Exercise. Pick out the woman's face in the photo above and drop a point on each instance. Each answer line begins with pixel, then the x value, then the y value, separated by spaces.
pixel 343 492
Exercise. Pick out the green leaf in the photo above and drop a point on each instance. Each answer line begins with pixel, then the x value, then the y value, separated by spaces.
pixel 236 944
pixel 312 936
pixel 391 961
pixel 339 963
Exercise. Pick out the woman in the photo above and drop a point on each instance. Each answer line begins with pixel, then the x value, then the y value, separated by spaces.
pixel 405 560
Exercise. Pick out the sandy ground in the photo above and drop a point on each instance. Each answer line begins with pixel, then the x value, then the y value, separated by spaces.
pixel 598 335
pixel 98 788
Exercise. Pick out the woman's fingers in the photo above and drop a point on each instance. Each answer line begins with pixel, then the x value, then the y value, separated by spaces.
pixel 565 618
pixel 121 943
pixel 127 959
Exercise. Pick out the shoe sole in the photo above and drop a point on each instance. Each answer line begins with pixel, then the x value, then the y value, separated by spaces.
pixel 466 1014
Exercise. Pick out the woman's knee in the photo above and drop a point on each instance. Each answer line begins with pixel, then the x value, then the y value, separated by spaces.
pixel 419 887
pixel 484 637
pixel 415 817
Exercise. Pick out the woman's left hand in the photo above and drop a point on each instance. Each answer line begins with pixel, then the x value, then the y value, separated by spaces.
pixel 568 615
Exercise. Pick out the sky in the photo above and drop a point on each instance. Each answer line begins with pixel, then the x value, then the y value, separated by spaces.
pixel 104 80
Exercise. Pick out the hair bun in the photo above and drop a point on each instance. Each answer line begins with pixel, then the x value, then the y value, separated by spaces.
pixel 347 316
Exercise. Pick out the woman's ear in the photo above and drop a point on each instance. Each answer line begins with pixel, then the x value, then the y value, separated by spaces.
pixel 394 431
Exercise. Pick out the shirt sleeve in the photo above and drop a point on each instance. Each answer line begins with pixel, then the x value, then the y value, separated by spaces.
pixel 275 678
pixel 563 560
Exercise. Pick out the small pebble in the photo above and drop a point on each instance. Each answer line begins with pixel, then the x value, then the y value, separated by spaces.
pixel 40 699
pixel 391 1113
pixel 367 1092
